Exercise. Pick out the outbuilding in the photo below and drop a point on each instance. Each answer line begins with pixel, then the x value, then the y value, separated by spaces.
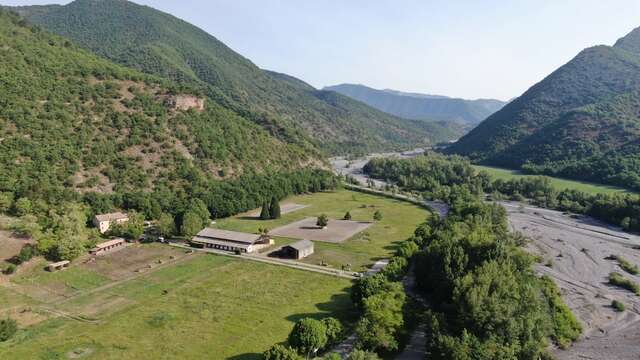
pixel 104 221
pixel 298 250
pixel 230 240
pixel 58 265
pixel 108 246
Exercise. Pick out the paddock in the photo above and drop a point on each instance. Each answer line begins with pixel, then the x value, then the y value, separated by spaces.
pixel 336 231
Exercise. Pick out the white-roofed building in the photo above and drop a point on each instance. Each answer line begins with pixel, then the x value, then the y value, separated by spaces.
pixel 230 240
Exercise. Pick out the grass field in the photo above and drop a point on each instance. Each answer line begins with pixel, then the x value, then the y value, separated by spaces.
pixel 205 307
pixel 378 241
pixel 560 184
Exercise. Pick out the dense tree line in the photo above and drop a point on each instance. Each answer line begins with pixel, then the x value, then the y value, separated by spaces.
pixel 487 303
pixel 439 176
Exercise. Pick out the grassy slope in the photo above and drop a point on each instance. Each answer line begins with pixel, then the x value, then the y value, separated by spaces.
pixel 161 44
pixel 215 305
pixel 399 221
pixel 560 184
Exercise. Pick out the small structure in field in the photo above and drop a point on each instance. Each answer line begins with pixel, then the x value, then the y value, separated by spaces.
pixel 104 221
pixel 58 265
pixel 230 240
pixel 298 250
pixel 107 246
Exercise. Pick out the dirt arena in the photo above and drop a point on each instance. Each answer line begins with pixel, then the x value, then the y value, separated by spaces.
pixel 337 231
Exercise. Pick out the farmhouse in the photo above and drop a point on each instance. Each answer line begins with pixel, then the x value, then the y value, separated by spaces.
pixel 298 250
pixel 230 240
pixel 104 221
pixel 107 246
pixel 58 265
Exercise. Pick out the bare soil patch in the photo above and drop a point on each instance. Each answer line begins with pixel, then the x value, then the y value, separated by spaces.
pixel 10 245
pixel 575 254
pixel 132 259
pixel 337 231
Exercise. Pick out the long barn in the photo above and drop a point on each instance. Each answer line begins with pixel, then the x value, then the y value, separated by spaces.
pixel 230 240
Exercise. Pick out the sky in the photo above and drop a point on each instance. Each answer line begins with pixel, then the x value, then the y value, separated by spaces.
pixel 460 48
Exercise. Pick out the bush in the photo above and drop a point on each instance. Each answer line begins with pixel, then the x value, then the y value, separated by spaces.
pixel 618 305
pixel 279 352
pixel 363 355
pixel 619 280
pixel 27 253
pixel 627 266
pixel 377 216
pixel 322 221
pixel 347 216
pixel 333 329
pixel 8 327
pixel 10 269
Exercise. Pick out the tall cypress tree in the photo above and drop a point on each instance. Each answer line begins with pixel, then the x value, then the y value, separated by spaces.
pixel 265 214
pixel 274 209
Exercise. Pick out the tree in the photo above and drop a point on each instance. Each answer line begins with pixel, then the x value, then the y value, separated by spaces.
pixel 322 221
pixel 377 216
pixel 166 225
pixel 6 201
pixel 274 209
pixel 363 355
pixel 8 327
pixel 308 336
pixel 333 329
pixel 280 352
pixel 191 224
pixel 382 319
pixel 27 253
pixel 264 213
pixel 347 216
pixel 134 228
pixel 22 207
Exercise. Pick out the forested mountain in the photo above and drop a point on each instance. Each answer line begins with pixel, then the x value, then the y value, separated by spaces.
pixel 582 121
pixel 70 120
pixel 421 106
pixel 158 43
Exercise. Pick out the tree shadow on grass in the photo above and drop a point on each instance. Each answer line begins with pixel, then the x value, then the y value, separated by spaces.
pixel 247 356
pixel 338 306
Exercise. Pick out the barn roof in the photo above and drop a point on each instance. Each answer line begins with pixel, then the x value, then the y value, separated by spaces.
pixel 301 245
pixel 112 216
pixel 108 243
pixel 238 245
pixel 234 236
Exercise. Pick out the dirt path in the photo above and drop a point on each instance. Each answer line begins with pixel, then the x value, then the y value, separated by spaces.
pixel 575 252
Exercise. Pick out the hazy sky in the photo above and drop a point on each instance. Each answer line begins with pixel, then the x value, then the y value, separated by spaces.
pixel 463 48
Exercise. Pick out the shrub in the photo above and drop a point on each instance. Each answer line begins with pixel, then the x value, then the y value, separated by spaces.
pixel 347 216
pixel 618 280
pixel 10 269
pixel 8 328
pixel 27 253
pixel 618 305
pixel 279 352
pixel 627 266
pixel 333 329
pixel 322 221
pixel 377 216
pixel 363 355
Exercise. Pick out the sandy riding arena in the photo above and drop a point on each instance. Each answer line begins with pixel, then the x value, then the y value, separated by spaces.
pixel 337 230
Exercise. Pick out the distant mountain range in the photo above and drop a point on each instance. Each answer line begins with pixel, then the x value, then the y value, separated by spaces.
pixel 160 44
pixel 582 121
pixel 421 106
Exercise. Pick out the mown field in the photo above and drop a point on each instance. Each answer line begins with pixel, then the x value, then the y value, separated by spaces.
pixel 399 220
pixel 206 306
pixel 560 184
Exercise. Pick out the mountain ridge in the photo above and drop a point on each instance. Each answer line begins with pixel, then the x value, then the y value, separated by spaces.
pixel 160 44
pixel 417 106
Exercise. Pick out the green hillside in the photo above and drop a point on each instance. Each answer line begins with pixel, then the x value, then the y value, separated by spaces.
pixel 158 43
pixel 582 121
pixel 420 106
pixel 70 120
